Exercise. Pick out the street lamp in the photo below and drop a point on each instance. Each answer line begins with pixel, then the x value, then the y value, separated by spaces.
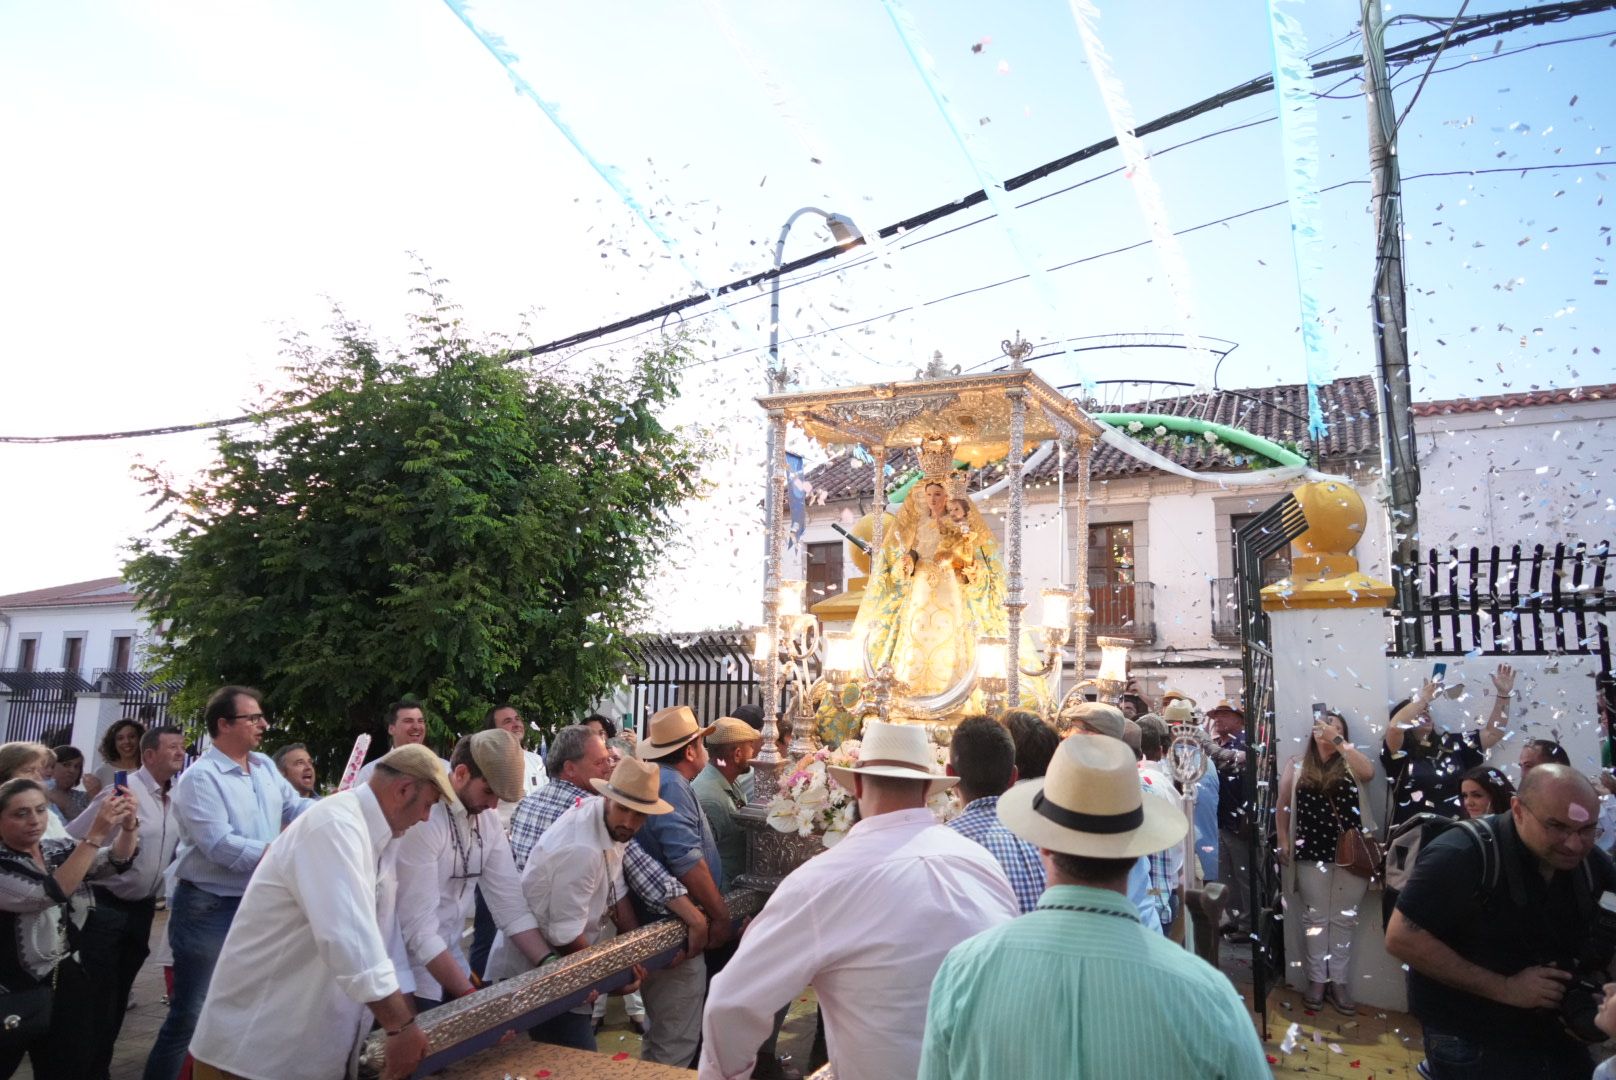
pixel 846 235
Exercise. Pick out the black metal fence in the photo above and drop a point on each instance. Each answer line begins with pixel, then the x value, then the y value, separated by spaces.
pixel 42 703
pixel 145 698
pixel 709 671
pixel 1516 602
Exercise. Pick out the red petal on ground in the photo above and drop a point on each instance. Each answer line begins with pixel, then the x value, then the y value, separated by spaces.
pixel 619 1056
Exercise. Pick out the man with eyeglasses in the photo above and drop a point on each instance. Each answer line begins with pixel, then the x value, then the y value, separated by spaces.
pixel 1494 925
pixel 229 805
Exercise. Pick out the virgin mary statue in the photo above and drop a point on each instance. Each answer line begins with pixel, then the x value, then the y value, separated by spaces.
pixel 936 586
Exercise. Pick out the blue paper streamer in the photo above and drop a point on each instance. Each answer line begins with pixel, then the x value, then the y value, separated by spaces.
pixel 502 52
pixel 1299 137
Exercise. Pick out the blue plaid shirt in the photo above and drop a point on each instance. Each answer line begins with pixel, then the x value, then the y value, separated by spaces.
pixel 979 821
pixel 540 809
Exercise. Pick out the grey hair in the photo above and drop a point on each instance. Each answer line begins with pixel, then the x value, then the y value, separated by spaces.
pixel 569 744
pixel 621 745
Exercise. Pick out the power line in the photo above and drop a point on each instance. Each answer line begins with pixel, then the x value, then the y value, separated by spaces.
pixel 1458 32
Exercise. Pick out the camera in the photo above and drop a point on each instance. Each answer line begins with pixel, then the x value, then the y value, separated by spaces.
pixel 1586 989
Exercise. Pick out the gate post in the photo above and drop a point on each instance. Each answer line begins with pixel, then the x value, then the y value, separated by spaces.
pixel 1329 645
pixel 93 714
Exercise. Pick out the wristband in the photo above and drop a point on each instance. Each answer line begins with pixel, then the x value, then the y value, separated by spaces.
pixel 400 1029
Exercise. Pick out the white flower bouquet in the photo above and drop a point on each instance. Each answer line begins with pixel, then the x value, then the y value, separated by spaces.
pixel 810 801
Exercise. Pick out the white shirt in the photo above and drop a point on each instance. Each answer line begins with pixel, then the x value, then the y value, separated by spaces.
pixel 867 924
pixel 159 836
pixel 534 777
pixel 570 882
pixel 306 950
pixel 441 864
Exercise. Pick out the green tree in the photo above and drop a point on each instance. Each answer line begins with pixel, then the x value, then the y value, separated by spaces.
pixel 441 522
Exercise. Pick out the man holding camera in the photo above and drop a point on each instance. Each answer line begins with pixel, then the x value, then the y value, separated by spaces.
pixel 1506 937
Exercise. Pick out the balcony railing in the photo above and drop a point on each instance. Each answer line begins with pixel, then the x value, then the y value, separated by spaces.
pixel 1125 611
pixel 1226 610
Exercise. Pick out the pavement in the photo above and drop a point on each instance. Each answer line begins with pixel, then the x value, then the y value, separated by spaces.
pixel 1375 1045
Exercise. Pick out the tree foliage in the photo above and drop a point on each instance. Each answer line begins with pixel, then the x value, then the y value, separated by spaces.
pixel 439 522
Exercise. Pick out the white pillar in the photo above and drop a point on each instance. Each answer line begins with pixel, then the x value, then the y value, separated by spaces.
pixel 93 714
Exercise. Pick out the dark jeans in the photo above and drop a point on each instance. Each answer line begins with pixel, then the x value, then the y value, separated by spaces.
pixel 64 1051
pixel 482 934
pixel 576 1030
pixel 197 924
pixel 1454 1057
pixel 112 946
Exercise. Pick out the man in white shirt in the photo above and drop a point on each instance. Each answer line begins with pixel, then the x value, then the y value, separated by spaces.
pixel 505 717
pixel 114 941
pixel 305 968
pixel 463 847
pixel 866 924
pixel 406 726
pixel 573 884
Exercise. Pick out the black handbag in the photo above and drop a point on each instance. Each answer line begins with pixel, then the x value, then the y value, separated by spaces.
pixel 25 1015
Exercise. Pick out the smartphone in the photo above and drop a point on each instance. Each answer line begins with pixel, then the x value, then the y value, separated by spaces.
pixel 1437 671
pixel 1319 709
pixel 120 780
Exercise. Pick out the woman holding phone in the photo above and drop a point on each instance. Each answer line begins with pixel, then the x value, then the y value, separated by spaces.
pixel 1424 765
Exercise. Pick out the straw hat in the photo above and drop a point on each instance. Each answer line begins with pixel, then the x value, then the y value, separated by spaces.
pixel 499 758
pixel 1090 803
pixel 1179 711
pixel 1099 718
pixel 1225 707
pixel 727 729
pixel 419 763
pixel 1176 695
pixel 670 729
pixel 634 784
pixel 900 751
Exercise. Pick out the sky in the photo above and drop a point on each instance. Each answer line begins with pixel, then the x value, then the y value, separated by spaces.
pixel 191 181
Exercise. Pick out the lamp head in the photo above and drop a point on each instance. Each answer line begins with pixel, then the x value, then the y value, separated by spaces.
pixel 843 230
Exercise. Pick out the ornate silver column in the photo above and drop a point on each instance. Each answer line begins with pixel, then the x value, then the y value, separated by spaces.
pixel 767 764
pixel 1013 601
pixel 1080 626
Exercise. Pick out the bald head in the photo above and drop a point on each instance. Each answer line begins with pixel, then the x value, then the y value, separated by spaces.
pixel 1558 785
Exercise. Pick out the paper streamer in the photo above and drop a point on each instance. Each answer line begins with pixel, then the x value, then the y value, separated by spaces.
pixel 355 759
pixel 986 175
pixel 1147 193
pixel 1299 139
pixel 507 58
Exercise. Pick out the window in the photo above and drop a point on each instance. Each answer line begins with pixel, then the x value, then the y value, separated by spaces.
pixel 73 652
pixel 1111 577
pixel 823 571
pixel 122 652
pixel 1274 568
pixel 28 653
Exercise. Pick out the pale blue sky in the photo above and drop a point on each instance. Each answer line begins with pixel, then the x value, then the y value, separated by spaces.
pixel 188 177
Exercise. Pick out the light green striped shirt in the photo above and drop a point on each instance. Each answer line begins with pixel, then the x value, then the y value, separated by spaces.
pixel 1079 994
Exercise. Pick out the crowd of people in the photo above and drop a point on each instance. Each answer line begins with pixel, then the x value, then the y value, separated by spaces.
pixel 1030 933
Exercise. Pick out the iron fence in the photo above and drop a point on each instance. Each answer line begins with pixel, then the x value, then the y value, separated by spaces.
pixel 42 703
pixel 710 671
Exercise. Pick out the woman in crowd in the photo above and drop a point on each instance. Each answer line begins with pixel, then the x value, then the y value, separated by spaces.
pixel 1424 765
pixel 1319 799
pixel 120 752
pixel 66 799
pixel 44 897
pixel 31 761
pixel 1484 790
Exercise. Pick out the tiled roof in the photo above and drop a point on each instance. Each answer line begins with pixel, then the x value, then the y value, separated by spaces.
pixel 1525 400
pixel 108 590
pixel 1273 412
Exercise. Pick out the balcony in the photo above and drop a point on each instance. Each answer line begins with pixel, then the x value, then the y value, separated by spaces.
pixel 1123 610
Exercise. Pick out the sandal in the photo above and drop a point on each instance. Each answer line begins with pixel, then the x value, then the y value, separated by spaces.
pixel 1342 1001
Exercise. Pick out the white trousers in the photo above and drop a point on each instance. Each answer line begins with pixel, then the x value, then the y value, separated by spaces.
pixel 1331 897
pixel 673 1002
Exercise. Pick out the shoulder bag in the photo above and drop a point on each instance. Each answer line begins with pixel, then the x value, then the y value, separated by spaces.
pixel 1355 850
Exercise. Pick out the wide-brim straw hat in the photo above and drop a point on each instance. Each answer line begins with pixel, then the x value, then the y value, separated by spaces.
pixel 636 785
pixel 419 763
pixel 728 729
pixel 669 730
pixel 1090 803
pixel 1176 695
pixel 897 751
pixel 499 758
pixel 1225 707
pixel 1178 711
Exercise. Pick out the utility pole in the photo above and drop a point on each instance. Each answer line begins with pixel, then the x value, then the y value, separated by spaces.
pixel 1389 307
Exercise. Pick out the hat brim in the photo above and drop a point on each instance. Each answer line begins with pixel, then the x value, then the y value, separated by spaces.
pixel 844 776
pixel 1225 710
pixel 646 750
pixel 440 780
pixel 1164 826
pixel 652 808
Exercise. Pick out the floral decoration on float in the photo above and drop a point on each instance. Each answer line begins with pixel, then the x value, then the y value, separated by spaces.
pixel 811 802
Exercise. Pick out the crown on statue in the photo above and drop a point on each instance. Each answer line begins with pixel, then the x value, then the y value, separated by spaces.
pixel 937 458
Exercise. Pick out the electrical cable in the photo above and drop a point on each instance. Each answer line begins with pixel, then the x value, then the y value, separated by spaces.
pixel 1443 44
pixel 1475 28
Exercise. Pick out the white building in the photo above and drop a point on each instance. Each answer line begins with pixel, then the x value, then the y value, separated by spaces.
pixel 79 628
